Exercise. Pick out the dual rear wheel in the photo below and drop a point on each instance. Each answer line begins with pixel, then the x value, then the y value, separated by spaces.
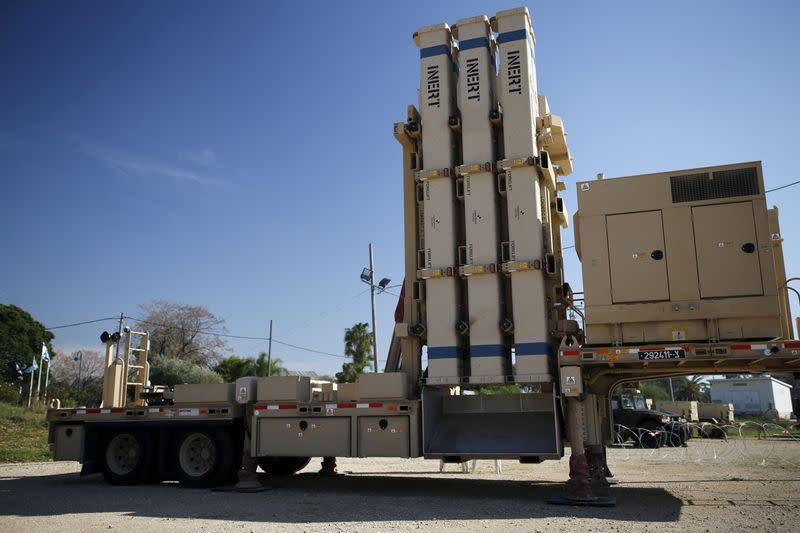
pixel 202 458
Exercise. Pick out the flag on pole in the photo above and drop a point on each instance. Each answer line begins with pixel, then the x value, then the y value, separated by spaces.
pixel 45 354
pixel 33 368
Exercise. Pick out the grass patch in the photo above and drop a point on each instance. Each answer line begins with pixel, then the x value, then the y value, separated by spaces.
pixel 23 435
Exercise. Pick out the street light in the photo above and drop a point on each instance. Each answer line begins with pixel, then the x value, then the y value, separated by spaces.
pixel 368 277
pixel 79 357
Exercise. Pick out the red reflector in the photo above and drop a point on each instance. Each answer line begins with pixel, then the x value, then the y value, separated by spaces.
pixel 392 408
pixel 347 406
pixel 740 346
pixel 375 404
pixel 791 344
pixel 93 411
pixel 570 353
pixel 287 406
pixel 259 407
pixel 203 411
pixel 116 411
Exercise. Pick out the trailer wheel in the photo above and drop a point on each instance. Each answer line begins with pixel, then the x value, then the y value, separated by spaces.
pixel 128 457
pixel 204 458
pixel 282 466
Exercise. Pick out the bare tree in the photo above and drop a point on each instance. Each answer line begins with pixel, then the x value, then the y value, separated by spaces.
pixel 187 332
pixel 88 363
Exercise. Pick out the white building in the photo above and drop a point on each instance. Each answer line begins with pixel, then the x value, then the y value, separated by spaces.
pixel 754 395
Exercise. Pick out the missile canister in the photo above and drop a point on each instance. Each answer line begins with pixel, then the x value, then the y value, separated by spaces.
pixel 437 261
pixel 489 359
pixel 523 254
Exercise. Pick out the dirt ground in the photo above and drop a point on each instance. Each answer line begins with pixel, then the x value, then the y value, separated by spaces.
pixel 705 487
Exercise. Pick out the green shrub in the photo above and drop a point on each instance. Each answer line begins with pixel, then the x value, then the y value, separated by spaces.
pixel 171 371
pixel 9 393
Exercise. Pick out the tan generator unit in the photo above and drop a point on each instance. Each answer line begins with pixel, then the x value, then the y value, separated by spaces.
pixel 678 256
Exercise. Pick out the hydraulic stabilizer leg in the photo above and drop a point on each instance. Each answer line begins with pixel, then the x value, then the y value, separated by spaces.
pixel 579 483
pixel 328 466
pixel 247 478
pixel 600 474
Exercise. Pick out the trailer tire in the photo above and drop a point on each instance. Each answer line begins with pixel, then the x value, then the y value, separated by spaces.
pixel 127 457
pixel 282 466
pixel 204 458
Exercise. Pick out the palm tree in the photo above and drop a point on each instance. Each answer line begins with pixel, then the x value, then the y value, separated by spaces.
pixel 358 345
pixel 692 388
pixel 272 368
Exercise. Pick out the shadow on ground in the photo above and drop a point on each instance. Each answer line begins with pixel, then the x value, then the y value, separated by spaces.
pixel 310 498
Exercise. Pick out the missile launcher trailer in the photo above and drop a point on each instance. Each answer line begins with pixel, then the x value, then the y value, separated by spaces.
pixel 683 274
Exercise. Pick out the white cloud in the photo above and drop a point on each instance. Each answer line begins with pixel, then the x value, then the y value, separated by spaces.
pixel 202 158
pixel 132 164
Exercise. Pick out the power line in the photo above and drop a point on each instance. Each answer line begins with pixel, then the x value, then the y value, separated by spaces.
pixel 783 186
pixel 309 349
pixel 82 323
pixel 328 311
pixel 246 337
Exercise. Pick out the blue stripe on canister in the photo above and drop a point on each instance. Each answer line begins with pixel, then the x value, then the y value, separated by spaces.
pixel 516 35
pixel 486 350
pixel 430 51
pixel 532 348
pixel 443 352
pixel 477 42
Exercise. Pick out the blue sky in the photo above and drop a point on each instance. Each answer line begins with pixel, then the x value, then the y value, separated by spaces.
pixel 239 155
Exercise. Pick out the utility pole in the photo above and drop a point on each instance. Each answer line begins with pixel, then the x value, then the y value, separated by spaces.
pixel 119 336
pixel 80 369
pixel 269 351
pixel 372 297
pixel 33 371
pixel 47 379
pixel 39 379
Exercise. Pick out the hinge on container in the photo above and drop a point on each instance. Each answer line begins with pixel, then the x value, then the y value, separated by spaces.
pixel 460 188
pixel 507 164
pixel 502 183
pixel 469 270
pixel 474 168
pixel 517 266
pixel 428 273
pixel 546 170
pixel 423 175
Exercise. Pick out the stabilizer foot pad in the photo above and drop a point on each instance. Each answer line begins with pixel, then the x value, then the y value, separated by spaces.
pixel 243 490
pixel 583 501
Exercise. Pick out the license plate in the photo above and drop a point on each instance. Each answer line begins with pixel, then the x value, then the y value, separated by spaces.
pixel 656 355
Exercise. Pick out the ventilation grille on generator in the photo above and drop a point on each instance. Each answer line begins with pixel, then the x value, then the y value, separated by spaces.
pixel 721 184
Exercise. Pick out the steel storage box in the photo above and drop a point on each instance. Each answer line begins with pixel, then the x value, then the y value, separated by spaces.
pixel 389 385
pixel 383 436
pixel 284 388
pixel 304 437
pixel 678 256
pixel 68 442
pixel 205 393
